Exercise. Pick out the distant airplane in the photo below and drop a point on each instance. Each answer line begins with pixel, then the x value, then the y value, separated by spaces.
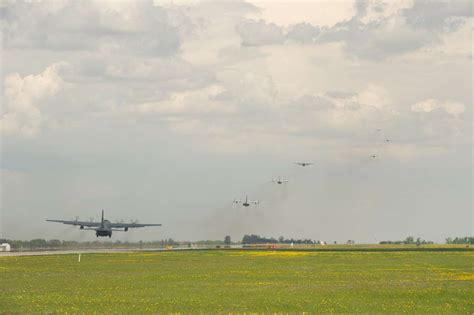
pixel 246 202
pixel 104 227
pixel 280 181
pixel 374 156
pixel 303 163
pixel 387 140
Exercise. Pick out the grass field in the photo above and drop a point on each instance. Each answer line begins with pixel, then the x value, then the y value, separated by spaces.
pixel 238 282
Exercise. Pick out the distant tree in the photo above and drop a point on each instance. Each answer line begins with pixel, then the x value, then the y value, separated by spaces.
pixel 54 244
pixel 460 240
pixel 38 243
pixel 281 239
pixel 227 240
pixel 409 240
pixel 256 239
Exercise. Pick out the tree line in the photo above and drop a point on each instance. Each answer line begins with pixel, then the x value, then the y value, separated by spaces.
pixel 419 241
pixel 256 239
pixel 409 240
pixel 460 240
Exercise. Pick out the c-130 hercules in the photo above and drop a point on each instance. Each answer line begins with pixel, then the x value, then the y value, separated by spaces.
pixel 104 227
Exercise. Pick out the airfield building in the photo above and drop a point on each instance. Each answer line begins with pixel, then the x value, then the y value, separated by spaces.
pixel 5 247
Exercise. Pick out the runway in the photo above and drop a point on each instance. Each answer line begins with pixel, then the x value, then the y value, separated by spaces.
pixel 105 251
pixel 80 251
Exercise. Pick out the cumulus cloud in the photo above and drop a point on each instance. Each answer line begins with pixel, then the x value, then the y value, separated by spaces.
pixel 377 10
pixel 440 16
pixel 303 33
pixel 451 107
pixel 140 27
pixel 337 112
pixel 204 101
pixel 261 33
pixel 23 96
pixel 379 29
pixel 256 33
pixel 383 29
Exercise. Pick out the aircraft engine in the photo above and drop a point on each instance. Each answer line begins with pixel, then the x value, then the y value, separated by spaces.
pixel 126 229
pixel 82 227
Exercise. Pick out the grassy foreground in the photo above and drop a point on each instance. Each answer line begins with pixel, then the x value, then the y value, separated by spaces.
pixel 238 282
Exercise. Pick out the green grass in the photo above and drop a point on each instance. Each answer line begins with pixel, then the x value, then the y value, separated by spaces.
pixel 235 281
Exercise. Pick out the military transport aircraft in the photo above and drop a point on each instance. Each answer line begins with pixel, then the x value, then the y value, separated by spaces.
pixel 303 163
pixel 246 202
pixel 104 227
pixel 280 181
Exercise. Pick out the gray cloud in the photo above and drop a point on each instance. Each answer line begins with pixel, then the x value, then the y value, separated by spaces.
pixel 438 16
pixel 374 32
pixel 303 33
pixel 256 33
pixel 88 25
pixel 260 33
pixel 401 32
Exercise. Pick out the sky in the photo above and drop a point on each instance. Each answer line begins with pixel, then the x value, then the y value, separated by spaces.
pixel 165 111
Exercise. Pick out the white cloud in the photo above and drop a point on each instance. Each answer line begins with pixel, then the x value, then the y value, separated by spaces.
pixel 451 107
pixel 377 10
pixel 320 13
pixel 377 29
pixel 255 33
pixel 203 101
pixel 21 113
pixel 105 25
pixel 375 96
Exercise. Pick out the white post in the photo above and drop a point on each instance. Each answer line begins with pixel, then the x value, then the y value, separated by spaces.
pixel 79 258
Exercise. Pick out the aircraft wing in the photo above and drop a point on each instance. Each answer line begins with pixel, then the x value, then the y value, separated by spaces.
pixel 75 222
pixel 131 225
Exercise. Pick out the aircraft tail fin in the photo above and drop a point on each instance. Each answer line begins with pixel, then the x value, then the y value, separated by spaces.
pixel 102 220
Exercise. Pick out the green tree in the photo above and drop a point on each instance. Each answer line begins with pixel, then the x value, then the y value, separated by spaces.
pixel 409 240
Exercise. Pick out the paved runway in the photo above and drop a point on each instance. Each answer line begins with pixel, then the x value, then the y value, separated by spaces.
pixel 77 251
pixel 102 251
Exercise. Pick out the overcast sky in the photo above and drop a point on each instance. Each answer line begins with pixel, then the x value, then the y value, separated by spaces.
pixel 165 111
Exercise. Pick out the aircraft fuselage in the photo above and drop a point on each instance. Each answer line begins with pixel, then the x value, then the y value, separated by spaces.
pixel 100 232
pixel 104 229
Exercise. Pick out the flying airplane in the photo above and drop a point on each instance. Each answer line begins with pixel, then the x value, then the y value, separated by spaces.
pixel 246 202
pixel 104 227
pixel 303 163
pixel 280 181
pixel 374 156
